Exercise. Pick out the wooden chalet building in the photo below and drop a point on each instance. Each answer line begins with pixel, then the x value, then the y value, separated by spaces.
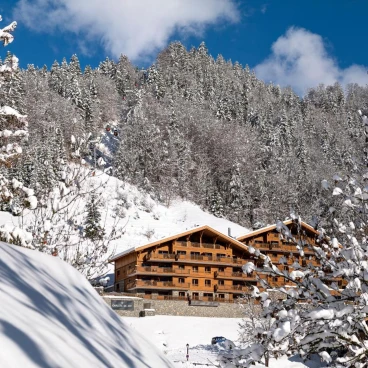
pixel 201 263
pixel 205 264
pixel 272 243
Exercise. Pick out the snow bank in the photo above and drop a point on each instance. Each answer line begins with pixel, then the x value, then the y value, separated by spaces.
pixel 52 317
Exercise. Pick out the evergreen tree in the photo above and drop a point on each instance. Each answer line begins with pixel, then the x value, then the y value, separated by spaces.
pixel 92 227
pixel 216 205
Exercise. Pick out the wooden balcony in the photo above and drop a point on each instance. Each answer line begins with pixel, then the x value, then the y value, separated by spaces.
pixel 199 259
pixel 234 275
pixel 234 289
pixel 281 248
pixel 168 271
pixel 182 244
pixel 162 285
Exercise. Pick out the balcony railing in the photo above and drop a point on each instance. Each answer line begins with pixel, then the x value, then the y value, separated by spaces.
pixel 232 275
pixel 198 258
pixel 232 288
pixel 291 248
pixel 158 270
pixel 197 245
pixel 151 284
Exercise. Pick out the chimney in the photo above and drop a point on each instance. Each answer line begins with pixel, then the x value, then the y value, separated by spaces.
pixel 229 232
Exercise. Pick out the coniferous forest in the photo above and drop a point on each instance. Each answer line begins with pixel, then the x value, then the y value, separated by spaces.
pixel 192 126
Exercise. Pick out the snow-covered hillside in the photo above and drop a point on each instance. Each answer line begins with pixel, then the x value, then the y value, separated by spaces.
pixel 142 218
pixel 52 317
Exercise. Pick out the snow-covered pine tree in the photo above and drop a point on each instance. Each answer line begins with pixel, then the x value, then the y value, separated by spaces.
pixel 92 225
pixel 236 194
pixel 14 196
pixel 12 89
pixel 216 204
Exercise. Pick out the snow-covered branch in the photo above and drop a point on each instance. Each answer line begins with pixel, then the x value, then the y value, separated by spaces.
pixel 5 33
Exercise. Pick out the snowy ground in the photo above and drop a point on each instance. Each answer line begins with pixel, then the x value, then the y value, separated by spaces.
pixel 171 334
pixel 52 317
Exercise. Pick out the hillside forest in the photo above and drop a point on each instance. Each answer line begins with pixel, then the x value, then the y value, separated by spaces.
pixel 191 126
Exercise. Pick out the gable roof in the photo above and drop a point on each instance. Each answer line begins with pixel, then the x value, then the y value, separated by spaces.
pixel 207 228
pixel 273 227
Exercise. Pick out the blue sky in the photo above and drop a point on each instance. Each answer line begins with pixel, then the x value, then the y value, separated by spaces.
pixel 291 42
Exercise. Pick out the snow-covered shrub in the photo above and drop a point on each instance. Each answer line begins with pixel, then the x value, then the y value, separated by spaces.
pixel 147 204
pixel 325 309
pixel 148 233
pixel 68 222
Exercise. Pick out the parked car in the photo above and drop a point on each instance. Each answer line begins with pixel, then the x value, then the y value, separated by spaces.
pixel 217 339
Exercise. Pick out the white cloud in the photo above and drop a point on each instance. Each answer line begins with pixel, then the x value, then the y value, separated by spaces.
pixel 136 28
pixel 299 59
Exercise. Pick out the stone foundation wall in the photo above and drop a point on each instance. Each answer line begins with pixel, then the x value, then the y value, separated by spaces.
pixel 137 302
pixel 177 308
pixel 181 308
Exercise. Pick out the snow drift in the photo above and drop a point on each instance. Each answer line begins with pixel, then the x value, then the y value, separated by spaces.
pixel 52 317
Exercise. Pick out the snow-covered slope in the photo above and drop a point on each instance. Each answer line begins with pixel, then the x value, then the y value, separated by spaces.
pixel 51 317
pixel 144 219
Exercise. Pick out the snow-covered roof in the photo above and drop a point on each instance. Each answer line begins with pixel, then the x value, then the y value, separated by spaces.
pixel 179 235
pixel 273 227
pixel 121 254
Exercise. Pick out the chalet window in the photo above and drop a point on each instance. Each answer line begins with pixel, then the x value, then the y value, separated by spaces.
pixel 221 296
pixel 195 296
pixel 275 279
pixel 221 282
pixel 181 252
pixel 181 294
pixel 207 282
pixel 118 272
pixel 207 269
pixel 221 269
pixel 195 255
pixel 163 252
pixel 181 267
pixel 195 268
pixel 195 282
pixel 220 255
pixel 181 280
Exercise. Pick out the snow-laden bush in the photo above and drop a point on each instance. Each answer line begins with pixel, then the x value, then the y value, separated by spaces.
pixel 325 310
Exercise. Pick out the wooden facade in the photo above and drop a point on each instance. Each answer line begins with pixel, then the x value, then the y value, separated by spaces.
pixel 204 264
pixel 270 242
